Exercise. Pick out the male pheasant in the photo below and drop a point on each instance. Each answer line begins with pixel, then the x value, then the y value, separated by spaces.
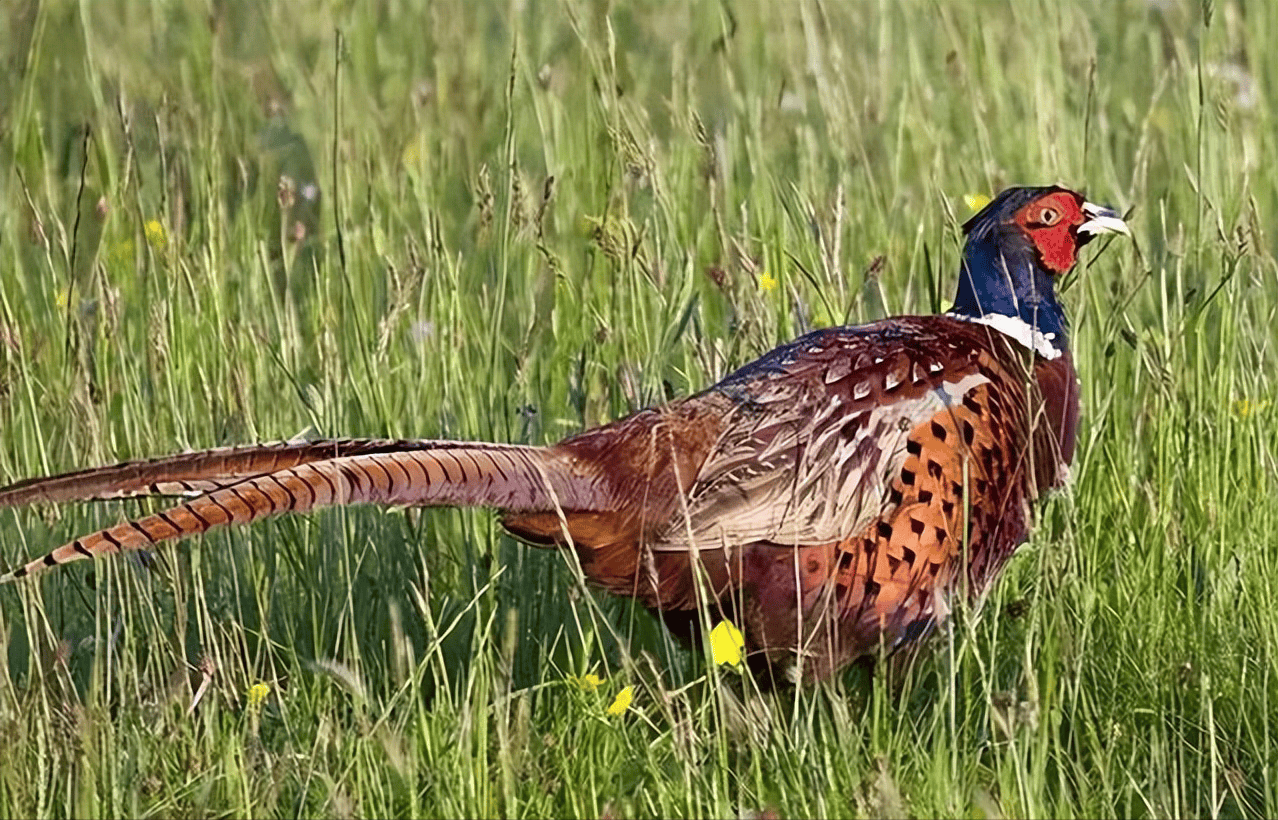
pixel 828 498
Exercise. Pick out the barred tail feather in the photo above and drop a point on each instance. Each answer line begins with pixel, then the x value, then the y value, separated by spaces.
pixel 189 473
pixel 509 477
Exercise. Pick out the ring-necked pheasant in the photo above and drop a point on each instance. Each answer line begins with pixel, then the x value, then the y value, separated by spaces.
pixel 826 497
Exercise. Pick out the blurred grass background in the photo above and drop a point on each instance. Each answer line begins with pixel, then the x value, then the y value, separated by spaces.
pixel 227 222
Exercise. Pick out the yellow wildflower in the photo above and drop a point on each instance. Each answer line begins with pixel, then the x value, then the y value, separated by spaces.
pixel 622 702
pixel 588 682
pixel 154 233
pixel 767 282
pixel 726 644
pixel 62 298
pixel 975 202
pixel 257 694
pixel 1249 407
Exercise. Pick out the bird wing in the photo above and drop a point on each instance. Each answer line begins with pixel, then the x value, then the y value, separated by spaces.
pixel 819 430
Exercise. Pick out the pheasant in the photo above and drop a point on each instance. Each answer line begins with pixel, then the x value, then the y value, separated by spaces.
pixel 829 498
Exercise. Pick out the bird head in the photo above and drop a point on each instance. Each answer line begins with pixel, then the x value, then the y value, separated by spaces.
pixel 1016 246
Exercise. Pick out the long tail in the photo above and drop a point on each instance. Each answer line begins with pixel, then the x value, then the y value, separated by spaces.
pixel 422 473
pixel 190 474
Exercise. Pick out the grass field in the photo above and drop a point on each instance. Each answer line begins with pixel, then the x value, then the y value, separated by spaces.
pixel 511 221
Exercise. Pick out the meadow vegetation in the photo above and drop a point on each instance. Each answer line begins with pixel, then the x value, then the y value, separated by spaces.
pixel 221 223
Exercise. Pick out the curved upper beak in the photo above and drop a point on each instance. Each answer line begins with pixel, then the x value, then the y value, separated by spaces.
pixel 1101 220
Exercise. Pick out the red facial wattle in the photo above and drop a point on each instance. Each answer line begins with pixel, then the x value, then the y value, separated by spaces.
pixel 1051 223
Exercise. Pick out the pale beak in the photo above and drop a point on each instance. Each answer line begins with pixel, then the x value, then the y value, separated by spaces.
pixel 1102 220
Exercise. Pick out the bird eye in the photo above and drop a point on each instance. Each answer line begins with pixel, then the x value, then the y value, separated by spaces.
pixel 1048 216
